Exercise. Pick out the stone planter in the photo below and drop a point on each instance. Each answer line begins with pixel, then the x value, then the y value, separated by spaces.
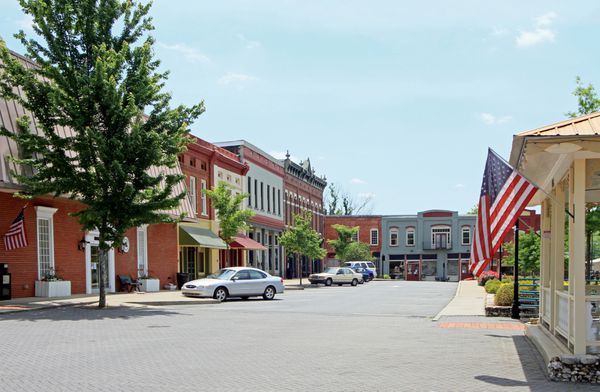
pixel 149 285
pixel 57 288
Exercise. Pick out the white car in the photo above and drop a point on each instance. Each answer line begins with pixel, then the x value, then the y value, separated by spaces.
pixel 363 264
pixel 338 275
pixel 240 282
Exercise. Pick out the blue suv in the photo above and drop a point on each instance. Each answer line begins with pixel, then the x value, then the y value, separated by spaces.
pixel 367 274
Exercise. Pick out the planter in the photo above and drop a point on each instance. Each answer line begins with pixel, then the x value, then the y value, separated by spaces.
pixel 57 288
pixel 149 285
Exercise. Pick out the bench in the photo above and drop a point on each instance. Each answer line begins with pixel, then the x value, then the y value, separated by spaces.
pixel 129 284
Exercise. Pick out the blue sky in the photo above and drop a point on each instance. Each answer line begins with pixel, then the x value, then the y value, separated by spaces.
pixel 394 100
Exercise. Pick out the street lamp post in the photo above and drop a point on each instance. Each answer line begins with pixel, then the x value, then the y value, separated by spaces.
pixel 515 314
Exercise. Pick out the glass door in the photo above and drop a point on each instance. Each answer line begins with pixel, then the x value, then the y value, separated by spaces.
pixel 95 271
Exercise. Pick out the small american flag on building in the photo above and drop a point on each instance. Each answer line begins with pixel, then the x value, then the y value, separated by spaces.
pixel 504 195
pixel 16 236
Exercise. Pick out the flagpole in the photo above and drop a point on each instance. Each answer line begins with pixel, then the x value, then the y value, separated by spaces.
pixel 515 311
pixel 536 185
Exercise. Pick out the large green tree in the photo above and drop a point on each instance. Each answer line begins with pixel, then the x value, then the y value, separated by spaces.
pixel 587 99
pixel 302 240
pixel 341 244
pixel 232 218
pixel 529 253
pixel 96 75
pixel 358 251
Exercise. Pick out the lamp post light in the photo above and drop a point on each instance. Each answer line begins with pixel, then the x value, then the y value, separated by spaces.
pixel 515 313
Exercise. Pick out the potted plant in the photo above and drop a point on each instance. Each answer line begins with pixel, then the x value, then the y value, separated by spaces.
pixel 52 285
pixel 149 283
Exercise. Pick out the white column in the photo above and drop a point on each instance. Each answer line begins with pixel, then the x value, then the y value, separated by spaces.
pixel 545 257
pixel 577 260
pixel 557 268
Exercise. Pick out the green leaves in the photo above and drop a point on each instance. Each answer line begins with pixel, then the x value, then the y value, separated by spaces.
pixel 302 239
pixel 587 99
pixel 340 245
pixel 232 218
pixel 95 75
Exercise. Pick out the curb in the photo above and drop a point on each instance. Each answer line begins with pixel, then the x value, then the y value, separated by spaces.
pixel 44 307
pixel 168 303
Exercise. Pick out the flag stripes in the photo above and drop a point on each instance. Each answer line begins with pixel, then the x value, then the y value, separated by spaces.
pixel 508 192
pixel 16 237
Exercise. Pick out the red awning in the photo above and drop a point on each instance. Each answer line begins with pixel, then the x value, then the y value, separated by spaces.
pixel 243 242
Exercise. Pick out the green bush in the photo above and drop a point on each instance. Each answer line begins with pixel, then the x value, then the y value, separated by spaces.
pixel 491 286
pixel 386 276
pixel 504 295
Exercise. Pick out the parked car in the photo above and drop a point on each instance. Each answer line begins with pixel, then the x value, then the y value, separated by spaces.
pixel 337 275
pixel 240 282
pixel 366 274
pixel 363 264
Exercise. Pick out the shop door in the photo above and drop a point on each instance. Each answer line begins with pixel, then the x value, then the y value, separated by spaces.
pixel 92 271
pixel 412 272
pixel 464 270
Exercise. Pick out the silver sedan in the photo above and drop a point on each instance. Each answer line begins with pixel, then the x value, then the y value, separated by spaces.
pixel 240 282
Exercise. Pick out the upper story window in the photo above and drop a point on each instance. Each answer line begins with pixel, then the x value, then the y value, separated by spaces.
pixel 180 158
pixel 440 237
pixel 410 236
pixel 394 236
pixel 203 165
pixel 203 197
pixel 249 191
pixel 374 237
pixel 356 236
pixel 268 198
pixel 466 235
pixel 193 162
pixel 193 199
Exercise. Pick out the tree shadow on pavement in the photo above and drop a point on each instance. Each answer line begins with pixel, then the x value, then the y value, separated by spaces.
pixel 534 369
pixel 89 312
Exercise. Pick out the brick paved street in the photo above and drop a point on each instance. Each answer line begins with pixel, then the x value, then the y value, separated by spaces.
pixel 377 337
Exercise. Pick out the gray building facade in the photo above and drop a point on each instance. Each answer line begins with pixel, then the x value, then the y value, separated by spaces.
pixel 432 245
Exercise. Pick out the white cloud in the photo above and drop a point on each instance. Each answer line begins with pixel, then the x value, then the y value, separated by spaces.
pixel 499 31
pixel 248 43
pixel 281 155
pixel 459 186
pixel 26 23
pixel 235 78
pixel 540 33
pixel 358 181
pixel 191 54
pixel 490 119
pixel 546 19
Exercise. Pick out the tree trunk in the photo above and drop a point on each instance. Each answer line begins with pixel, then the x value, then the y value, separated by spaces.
pixel 299 267
pixel 102 270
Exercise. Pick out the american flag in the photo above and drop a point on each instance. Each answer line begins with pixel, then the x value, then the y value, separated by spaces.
pixel 16 236
pixel 504 195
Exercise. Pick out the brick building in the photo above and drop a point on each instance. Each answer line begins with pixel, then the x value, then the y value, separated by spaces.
pixel 303 191
pixel 56 242
pixel 369 232
pixel 264 185
pixel 201 251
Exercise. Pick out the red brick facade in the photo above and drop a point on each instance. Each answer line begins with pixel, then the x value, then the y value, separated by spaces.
pixel 365 223
pixel 69 261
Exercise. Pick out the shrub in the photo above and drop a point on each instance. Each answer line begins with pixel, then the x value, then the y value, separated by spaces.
pixel 485 276
pixel 492 285
pixel 386 276
pixel 504 295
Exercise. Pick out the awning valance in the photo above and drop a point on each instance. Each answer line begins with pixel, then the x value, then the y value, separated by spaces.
pixel 197 236
pixel 243 242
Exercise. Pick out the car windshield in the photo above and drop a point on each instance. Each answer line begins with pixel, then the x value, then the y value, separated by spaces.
pixel 331 270
pixel 223 274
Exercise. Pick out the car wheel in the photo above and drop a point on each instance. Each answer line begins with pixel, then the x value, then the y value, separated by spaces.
pixel 328 282
pixel 269 293
pixel 221 294
pixel 354 282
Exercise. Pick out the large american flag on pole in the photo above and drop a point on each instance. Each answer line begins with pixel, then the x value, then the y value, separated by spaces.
pixel 16 237
pixel 504 195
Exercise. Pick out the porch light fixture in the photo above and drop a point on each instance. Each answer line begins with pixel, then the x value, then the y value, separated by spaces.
pixel 81 244
pixel 562 148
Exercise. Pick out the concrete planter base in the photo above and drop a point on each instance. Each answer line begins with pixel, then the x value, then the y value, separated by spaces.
pixel 150 285
pixel 59 288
